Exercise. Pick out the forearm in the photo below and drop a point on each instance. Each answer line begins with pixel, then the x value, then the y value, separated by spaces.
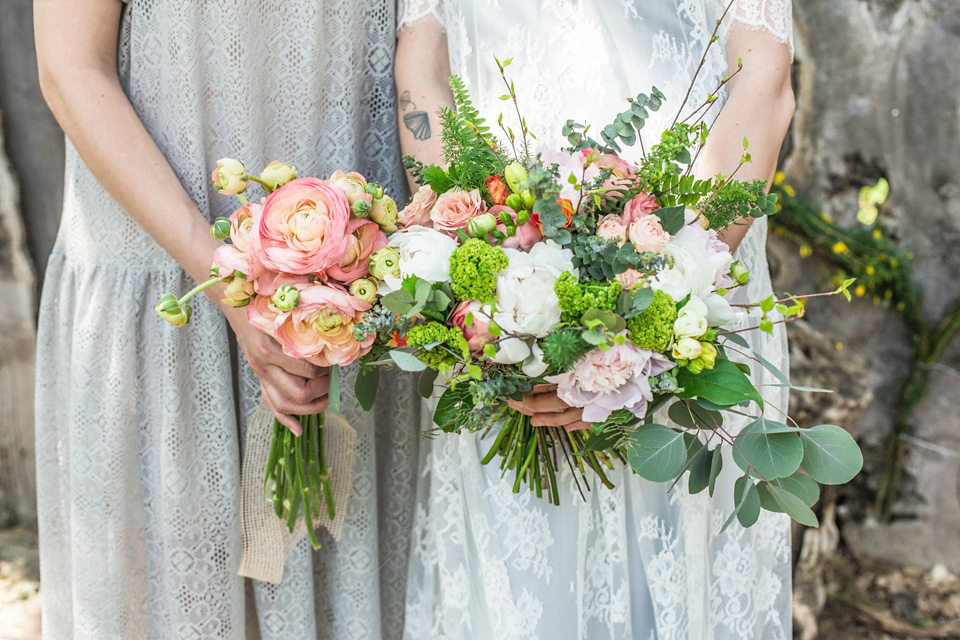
pixel 422 72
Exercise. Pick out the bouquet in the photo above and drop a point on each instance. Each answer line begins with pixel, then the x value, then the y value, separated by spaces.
pixel 298 261
pixel 574 267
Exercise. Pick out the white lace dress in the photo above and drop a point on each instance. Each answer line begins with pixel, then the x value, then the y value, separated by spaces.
pixel 636 562
pixel 138 434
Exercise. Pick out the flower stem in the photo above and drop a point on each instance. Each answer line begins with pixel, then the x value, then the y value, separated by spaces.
pixel 197 289
pixel 259 182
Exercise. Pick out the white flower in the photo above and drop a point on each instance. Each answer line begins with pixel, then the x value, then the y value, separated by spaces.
pixel 692 320
pixel 424 253
pixel 695 265
pixel 687 349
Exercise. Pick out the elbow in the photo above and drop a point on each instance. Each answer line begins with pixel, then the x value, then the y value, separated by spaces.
pixel 786 106
pixel 50 90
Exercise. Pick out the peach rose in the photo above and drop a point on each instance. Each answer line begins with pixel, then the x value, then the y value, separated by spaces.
pixel 367 238
pixel 477 333
pixel 352 184
pixel 641 205
pixel 320 329
pixel 647 234
pixel 611 227
pixel 304 227
pixel 417 213
pixel 454 209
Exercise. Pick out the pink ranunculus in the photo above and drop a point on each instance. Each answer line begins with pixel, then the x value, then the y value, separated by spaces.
pixel 477 334
pixel 611 227
pixel 243 225
pixel 647 234
pixel 367 238
pixel 352 184
pixel 320 329
pixel 229 259
pixel 454 209
pixel 269 281
pixel 417 213
pixel 263 315
pixel 304 227
pixel 641 205
pixel 605 381
pixel 629 279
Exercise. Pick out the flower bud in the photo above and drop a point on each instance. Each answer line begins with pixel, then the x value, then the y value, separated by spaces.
pixel 497 189
pixel 220 229
pixel 739 273
pixel 170 309
pixel 481 225
pixel 522 217
pixel 286 298
pixel 230 177
pixel 516 175
pixel 690 324
pixel 708 356
pixel 374 190
pixel 365 289
pixel 695 366
pixel 687 349
pixel 515 201
pixel 528 199
pixel 238 292
pixel 277 174
pixel 385 263
pixel 361 208
pixel 384 212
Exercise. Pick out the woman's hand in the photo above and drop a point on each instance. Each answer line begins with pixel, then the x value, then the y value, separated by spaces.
pixel 289 387
pixel 546 409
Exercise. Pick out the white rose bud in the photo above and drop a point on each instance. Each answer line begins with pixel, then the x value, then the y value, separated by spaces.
pixel 690 324
pixel 230 177
pixel 687 349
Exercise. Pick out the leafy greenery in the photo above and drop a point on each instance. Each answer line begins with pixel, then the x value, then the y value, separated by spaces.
pixel 563 347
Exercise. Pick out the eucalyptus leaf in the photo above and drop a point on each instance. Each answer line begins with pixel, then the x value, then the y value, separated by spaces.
pixel 830 454
pixel 700 471
pixel 799 484
pixel 716 467
pixel 788 503
pixel 365 387
pixel 426 381
pixel 748 501
pixel 407 361
pixel 657 453
pixel 671 218
pixel 771 454
pixel 399 302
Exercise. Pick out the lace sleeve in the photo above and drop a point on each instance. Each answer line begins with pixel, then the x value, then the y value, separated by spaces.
pixel 773 16
pixel 411 11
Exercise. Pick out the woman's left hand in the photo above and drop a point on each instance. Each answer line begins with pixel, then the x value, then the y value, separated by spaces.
pixel 546 409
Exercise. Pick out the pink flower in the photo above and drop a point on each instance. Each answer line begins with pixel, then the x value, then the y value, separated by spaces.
pixel 367 238
pixel 320 329
pixel 611 227
pixel 621 168
pixel 571 164
pixel 304 227
pixel 526 235
pixel 417 213
pixel 243 224
pixel 227 258
pixel 641 205
pixel 476 334
pixel 454 209
pixel 263 315
pixel 352 184
pixel 269 281
pixel 604 381
pixel 497 189
pixel 647 234
pixel 629 278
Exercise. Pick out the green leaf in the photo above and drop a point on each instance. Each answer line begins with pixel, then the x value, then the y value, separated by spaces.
pixel 747 500
pixel 724 385
pixel 399 302
pixel 691 414
pixel 671 218
pixel 333 393
pixel 788 503
pixel 771 452
pixel 366 385
pixel 700 470
pixel 451 403
pixel 437 178
pixel 716 466
pixel 657 453
pixel 799 484
pixel 830 454
pixel 407 361
pixel 737 339
pixel 425 383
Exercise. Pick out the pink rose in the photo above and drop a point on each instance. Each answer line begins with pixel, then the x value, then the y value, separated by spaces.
pixel 641 205
pixel 647 234
pixel 367 237
pixel 629 279
pixel 352 184
pixel 263 315
pixel 477 334
pixel 417 213
pixel 611 227
pixel 621 168
pixel 243 223
pixel 304 227
pixel 454 209
pixel 320 329
pixel 605 381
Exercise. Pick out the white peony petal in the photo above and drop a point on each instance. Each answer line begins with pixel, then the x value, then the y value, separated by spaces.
pixel 534 365
pixel 512 351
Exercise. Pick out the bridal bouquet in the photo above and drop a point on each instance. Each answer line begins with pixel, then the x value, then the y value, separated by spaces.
pixel 573 267
pixel 298 261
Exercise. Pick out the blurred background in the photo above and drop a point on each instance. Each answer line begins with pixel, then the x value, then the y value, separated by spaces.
pixel 870 188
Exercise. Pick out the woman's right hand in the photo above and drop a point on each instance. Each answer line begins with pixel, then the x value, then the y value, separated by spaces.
pixel 289 387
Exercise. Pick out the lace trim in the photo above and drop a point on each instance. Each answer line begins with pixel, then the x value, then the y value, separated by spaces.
pixel 773 16
pixel 413 11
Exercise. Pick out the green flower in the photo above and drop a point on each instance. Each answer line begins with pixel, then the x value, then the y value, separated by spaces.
pixel 474 266
pixel 575 299
pixel 653 329
pixel 452 347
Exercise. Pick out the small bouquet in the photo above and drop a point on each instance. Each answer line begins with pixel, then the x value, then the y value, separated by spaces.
pixel 574 267
pixel 298 261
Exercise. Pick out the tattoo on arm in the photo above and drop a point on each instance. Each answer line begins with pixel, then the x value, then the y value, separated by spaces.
pixel 416 121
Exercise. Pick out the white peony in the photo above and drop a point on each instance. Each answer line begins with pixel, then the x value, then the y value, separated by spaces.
pixel 527 306
pixel 424 253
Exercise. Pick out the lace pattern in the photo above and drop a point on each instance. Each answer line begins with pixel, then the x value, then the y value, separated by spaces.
pixel 139 447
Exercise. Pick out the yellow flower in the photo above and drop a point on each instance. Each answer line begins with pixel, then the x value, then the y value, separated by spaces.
pixel 805 251
pixel 860 290
pixel 840 247
pixel 826 216
pixel 888 294
pixel 790 191
pixel 870 270
pixel 778 178
pixel 838 346
pixel 894 263
pixel 877 234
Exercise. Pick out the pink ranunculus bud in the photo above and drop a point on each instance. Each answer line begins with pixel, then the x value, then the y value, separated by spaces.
pixel 641 205
pixel 383 211
pixel 230 177
pixel 243 224
pixel 352 184
pixel 277 174
pixel 238 292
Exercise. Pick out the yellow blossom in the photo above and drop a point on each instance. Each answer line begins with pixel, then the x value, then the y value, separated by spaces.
pixel 870 270
pixel 860 290
pixel 805 251
pixel 778 178
pixel 826 216
pixel 838 346
pixel 790 191
pixel 877 234
pixel 840 247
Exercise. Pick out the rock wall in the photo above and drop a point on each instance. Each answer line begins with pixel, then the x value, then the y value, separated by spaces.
pixel 877 88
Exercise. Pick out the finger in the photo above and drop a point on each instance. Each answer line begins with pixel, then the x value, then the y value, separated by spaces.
pixel 561 419
pixel 297 390
pixel 295 400
pixel 516 405
pixel 287 420
pixel 545 403
pixel 580 425
pixel 273 353
pixel 544 388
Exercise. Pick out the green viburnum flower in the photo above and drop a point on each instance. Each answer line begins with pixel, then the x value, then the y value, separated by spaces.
pixel 440 357
pixel 576 298
pixel 474 266
pixel 653 329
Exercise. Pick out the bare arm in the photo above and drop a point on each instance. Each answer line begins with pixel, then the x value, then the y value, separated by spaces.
pixel 76 50
pixel 759 107
pixel 422 72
